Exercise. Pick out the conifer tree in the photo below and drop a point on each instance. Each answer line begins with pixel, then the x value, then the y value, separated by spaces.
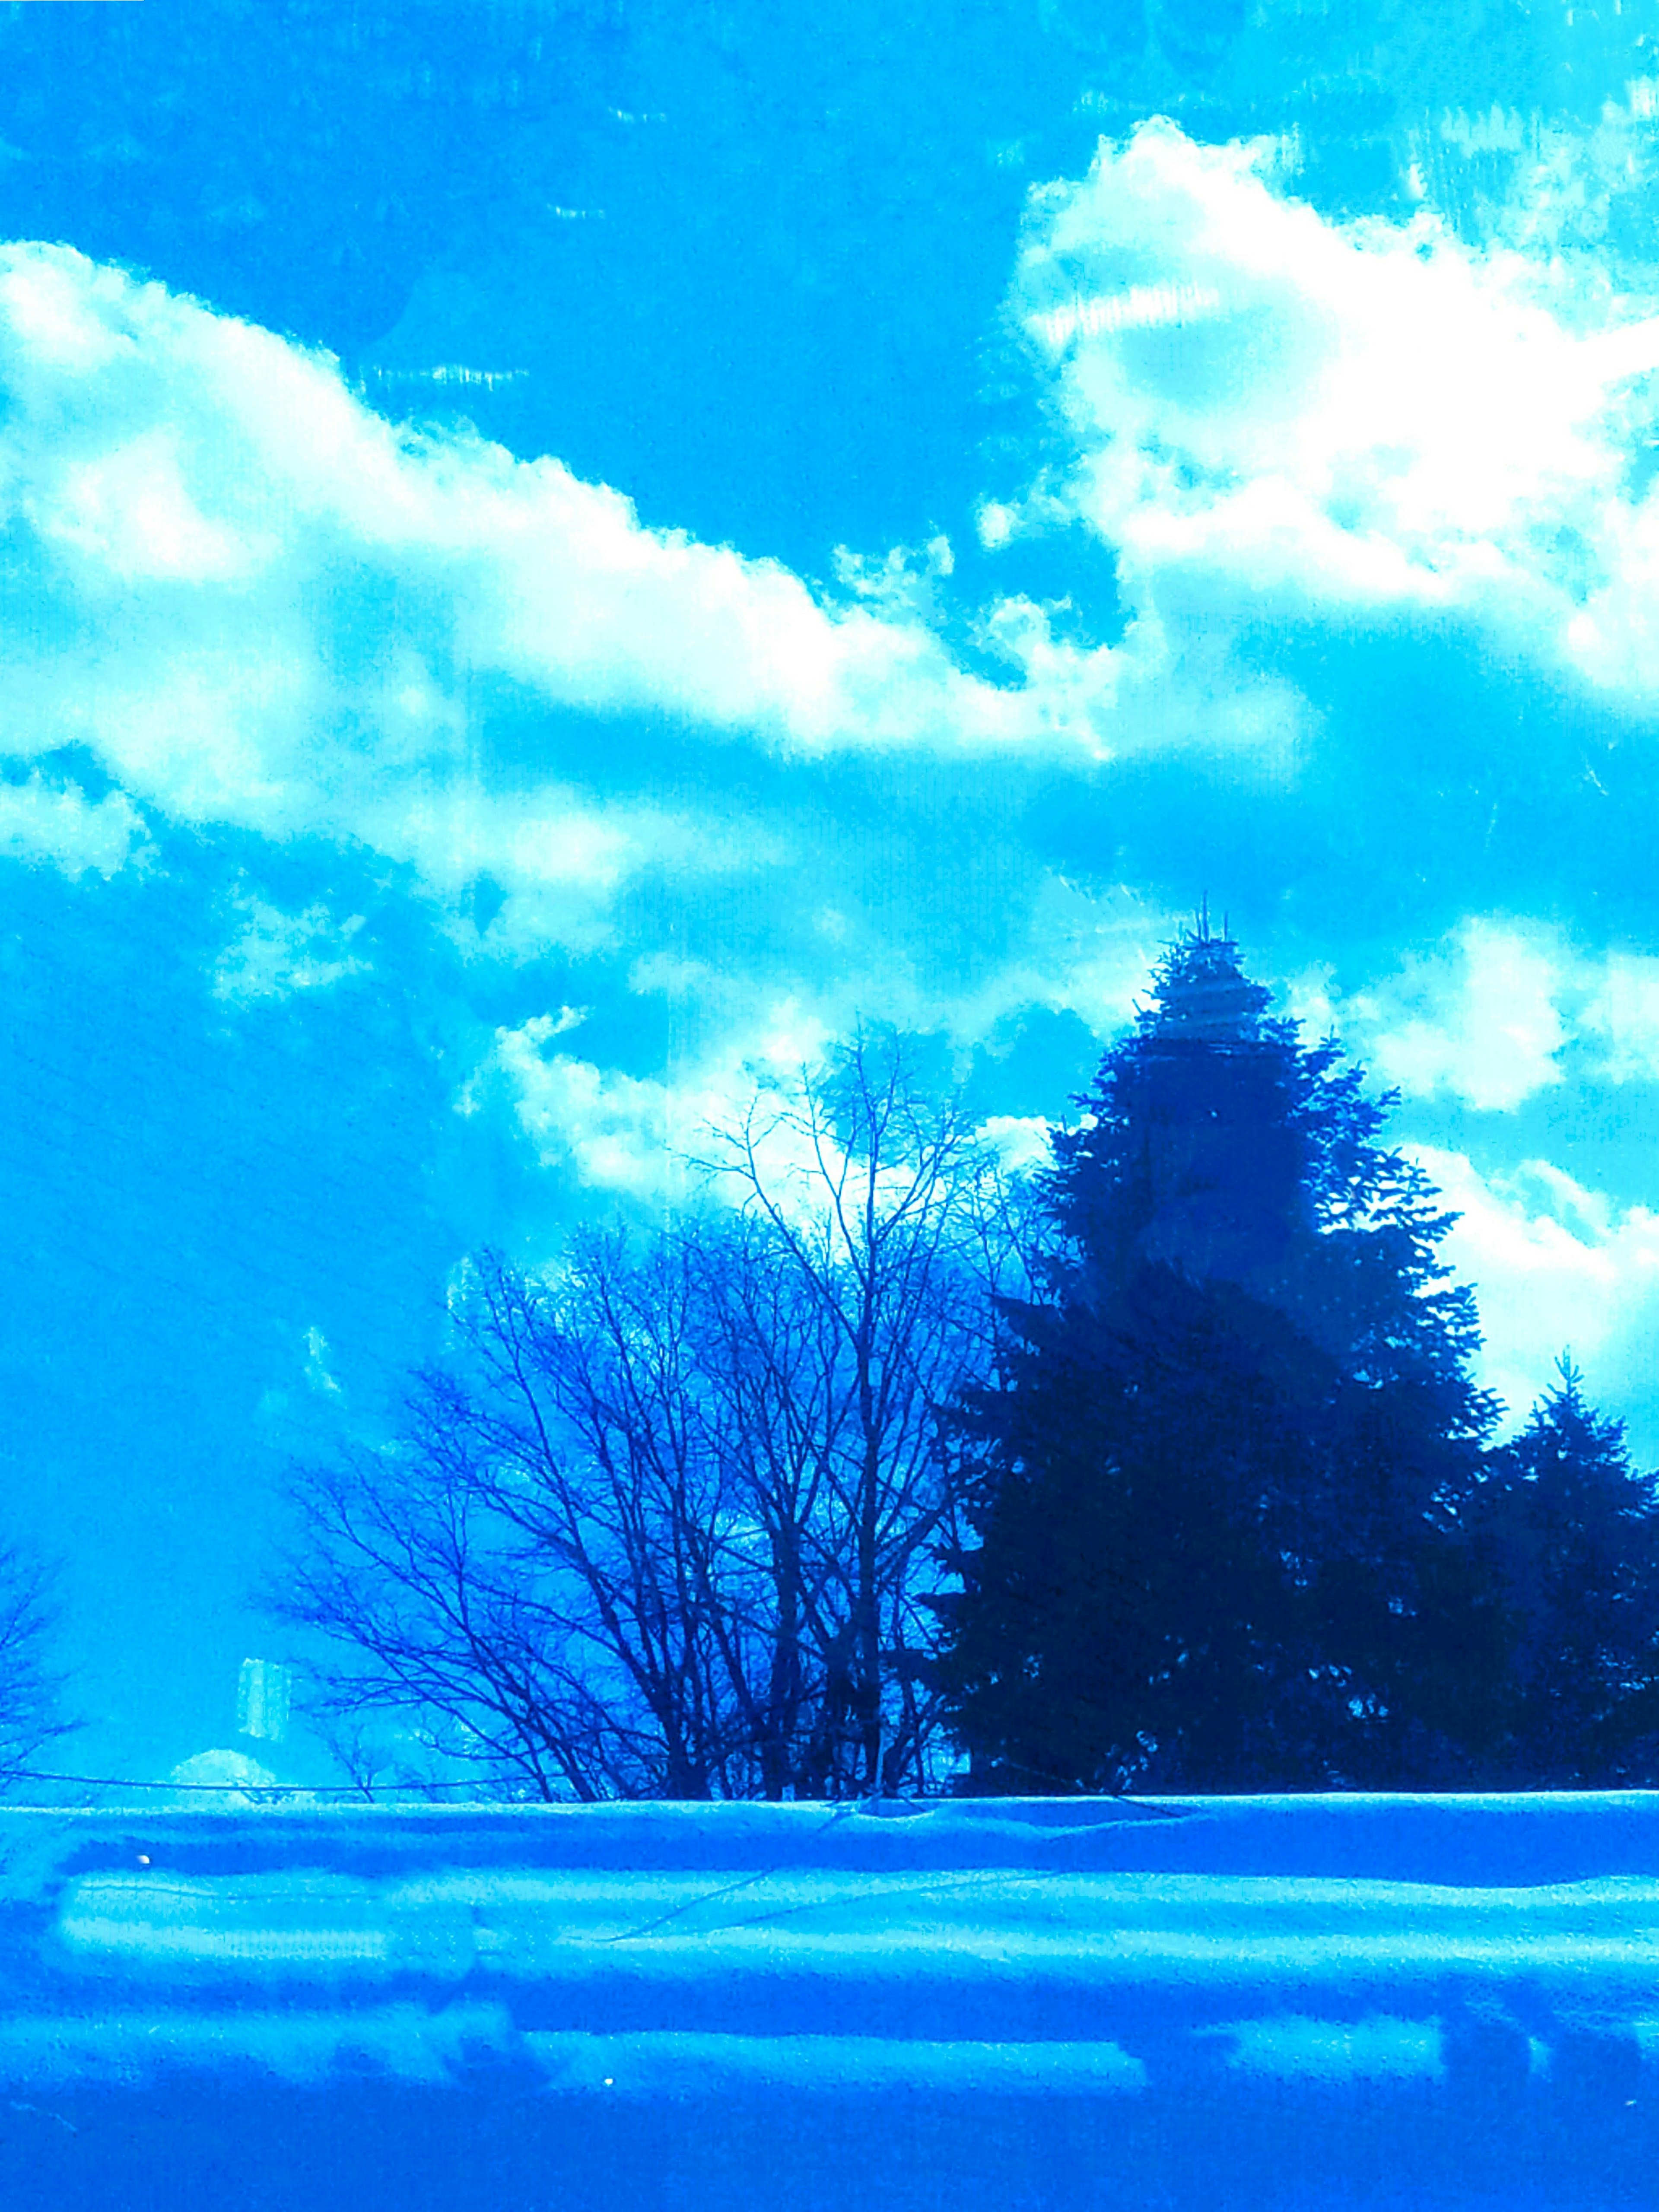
pixel 1221 1482
pixel 1574 1531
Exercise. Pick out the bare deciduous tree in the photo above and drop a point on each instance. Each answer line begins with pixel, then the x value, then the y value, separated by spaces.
pixel 30 1689
pixel 664 1527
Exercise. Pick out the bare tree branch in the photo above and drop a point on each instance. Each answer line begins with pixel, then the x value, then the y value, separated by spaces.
pixel 665 1527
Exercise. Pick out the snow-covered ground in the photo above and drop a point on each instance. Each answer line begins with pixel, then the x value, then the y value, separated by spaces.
pixel 1267 2003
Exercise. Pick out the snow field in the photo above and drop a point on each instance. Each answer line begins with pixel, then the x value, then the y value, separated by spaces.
pixel 1309 2002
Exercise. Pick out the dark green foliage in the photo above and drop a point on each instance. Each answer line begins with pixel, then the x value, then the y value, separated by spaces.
pixel 1222 1482
pixel 1574 1532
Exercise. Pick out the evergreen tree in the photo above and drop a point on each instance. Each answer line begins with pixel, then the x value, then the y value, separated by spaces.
pixel 1574 1531
pixel 1222 1481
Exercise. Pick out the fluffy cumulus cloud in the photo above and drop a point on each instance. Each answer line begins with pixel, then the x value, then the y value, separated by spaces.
pixel 1557 1268
pixel 638 1136
pixel 615 1132
pixel 262 608
pixel 259 604
pixel 1478 1017
pixel 262 604
pixel 1275 415
pixel 1501 1009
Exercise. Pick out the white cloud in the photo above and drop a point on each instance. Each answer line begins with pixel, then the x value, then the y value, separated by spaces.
pixel 1555 1266
pixel 1501 1009
pixel 1020 1141
pixel 651 1138
pixel 1167 686
pixel 1480 1020
pixel 1622 1015
pixel 263 607
pixel 903 584
pixel 275 954
pixel 318 1376
pixel 56 822
pixel 615 1132
pixel 129 513
pixel 639 1134
pixel 635 1133
pixel 1276 413
pixel 263 604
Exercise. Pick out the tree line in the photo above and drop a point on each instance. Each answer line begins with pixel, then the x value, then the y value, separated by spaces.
pixel 888 1469
pixel 1162 1468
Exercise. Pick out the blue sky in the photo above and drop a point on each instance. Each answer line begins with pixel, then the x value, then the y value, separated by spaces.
pixel 555 553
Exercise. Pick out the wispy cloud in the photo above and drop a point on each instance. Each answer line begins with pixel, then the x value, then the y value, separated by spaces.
pixel 275 954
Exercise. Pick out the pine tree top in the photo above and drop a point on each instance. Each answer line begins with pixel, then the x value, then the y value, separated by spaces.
pixel 1201 994
pixel 1214 1141
pixel 1564 1434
